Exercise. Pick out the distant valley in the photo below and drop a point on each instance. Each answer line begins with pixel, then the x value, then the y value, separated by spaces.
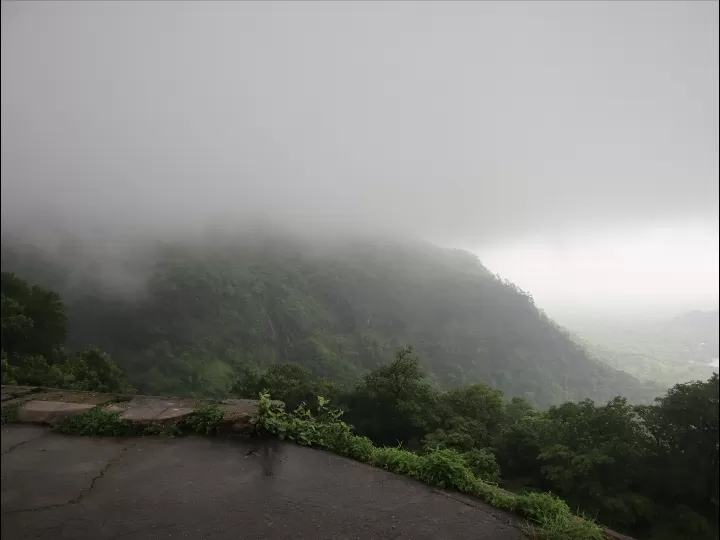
pixel 666 352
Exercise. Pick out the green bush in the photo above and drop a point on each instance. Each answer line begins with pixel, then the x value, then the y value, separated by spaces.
pixel 571 528
pixel 554 519
pixel 542 506
pixel 10 413
pixel 397 460
pixel 325 429
pixel 360 448
pixel 446 468
pixel 495 496
pixel 482 463
pixel 97 422
pixel 204 420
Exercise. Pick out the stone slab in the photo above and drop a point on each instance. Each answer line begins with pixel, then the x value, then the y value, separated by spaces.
pixel 238 414
pixel 50 412
pixel 141 413
pixel 144 409
pixel 14 392
pixel 174 414
pixel 92 398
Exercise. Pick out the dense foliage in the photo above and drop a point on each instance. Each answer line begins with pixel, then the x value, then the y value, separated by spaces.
pixel 189 319
pixel 647 470
pixel 34 329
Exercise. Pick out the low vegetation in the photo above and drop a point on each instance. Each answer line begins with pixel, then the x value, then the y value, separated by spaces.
pixel 650 471
pixel 33 335
pixel 101 422
pixel 9 413
pixel 98 422
pixel 442 467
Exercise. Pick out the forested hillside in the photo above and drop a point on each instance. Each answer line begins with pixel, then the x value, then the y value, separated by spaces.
pixel 188 317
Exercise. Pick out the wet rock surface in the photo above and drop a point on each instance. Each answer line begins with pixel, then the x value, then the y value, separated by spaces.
pixel 50 412
pixel 148 410
pixel 14 392
pixel 50 406
pixel 56 487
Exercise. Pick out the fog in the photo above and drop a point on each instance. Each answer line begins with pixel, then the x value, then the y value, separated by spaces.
pixel 652 273
pixel 572 145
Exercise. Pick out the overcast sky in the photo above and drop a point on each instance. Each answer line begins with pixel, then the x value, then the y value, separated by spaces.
pixel 570 144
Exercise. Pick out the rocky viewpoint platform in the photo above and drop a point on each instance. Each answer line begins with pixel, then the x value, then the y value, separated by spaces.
pixel 38 405
pixel 330 496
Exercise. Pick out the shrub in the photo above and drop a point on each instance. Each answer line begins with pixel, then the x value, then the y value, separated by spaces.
pixel 10 413
pixel 99 422
pixel 204 420
pixel 555 520
pixel 326 429
pixel 446 468
pixel 397 460
pixel 495 496
pixel 572 528
pixel 360 448
pixel 542 507
pixel 482 464
pixel 272 419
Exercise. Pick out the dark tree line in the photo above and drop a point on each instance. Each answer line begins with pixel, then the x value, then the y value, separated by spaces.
pixel 33 333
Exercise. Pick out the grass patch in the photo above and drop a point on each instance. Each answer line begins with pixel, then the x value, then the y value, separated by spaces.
pixel 98 422
pixel 205 420
pixel 495 496
pixel 549 517
pixel 396 460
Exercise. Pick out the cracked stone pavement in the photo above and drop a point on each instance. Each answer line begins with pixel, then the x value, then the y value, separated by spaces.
pixel 56 487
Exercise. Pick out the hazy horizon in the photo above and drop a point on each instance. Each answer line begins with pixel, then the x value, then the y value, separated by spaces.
pixel 572 146
pixel 646 273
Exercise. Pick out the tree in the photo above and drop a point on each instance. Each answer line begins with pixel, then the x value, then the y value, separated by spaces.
pixel 290 383
pixel 33 318
pixel 34 329
pixel 473 418
pixel 92 369
pixel 591 456
pixel 682 431
pixel 393 404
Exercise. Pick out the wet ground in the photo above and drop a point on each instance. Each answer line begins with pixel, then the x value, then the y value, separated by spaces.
pixel 56 487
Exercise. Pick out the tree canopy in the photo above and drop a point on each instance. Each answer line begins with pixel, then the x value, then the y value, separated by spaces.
pixel 34 329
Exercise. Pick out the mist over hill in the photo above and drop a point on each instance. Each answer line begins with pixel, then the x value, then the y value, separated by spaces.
pixel 188 317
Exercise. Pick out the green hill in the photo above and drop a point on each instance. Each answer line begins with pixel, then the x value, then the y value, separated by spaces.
pixel 189 317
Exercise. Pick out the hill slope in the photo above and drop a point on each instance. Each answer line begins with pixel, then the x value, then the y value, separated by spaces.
pixel 206 312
